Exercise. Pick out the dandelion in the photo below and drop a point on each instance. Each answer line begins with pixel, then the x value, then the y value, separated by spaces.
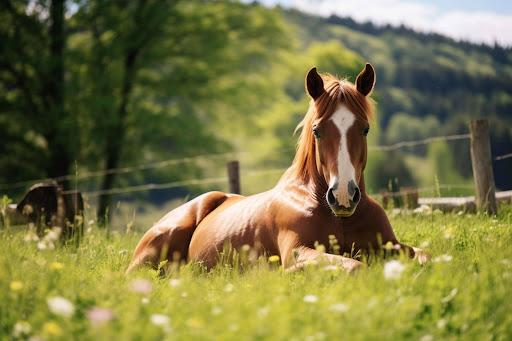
pixel 52 328
pixel 16 286
pixel 389 246
pixel 61 306
pixel 274 259
pixel 20 329
pixel 443 258
pixel 31 237
pixel 393 269
pixel 145 300
pixel 141 286
pixel 91 222
pixel 98 315
pixel 56 266
pixel 41 246
pixel 310 299
pixel 53 234
pixel 338 308
pixel 311 262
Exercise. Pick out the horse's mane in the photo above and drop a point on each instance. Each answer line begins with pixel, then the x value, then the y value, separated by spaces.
pixel 304 166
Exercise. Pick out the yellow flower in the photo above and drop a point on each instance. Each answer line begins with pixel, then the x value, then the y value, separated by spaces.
pixel 16 285
pixel 56 266
pixel 273 259
pixel 52 328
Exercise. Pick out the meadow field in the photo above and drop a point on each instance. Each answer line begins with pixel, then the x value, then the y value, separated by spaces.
pixel 53 292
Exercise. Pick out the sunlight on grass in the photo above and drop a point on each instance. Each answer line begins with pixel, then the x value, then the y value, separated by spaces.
pixel 82 293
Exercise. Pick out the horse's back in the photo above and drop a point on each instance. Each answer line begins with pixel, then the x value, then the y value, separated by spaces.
pixel 170 237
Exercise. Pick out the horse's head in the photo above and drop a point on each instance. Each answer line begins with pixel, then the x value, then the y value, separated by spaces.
pixel 338 132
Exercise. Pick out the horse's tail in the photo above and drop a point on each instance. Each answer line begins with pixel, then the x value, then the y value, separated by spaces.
pixel 169 239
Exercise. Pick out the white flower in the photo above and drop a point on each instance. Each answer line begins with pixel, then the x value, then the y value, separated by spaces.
pixel 60 306
pixel 229 287
pixel 393 269
pixel 21 328
pixel 141 286
pixel 91 222
pixel 441 323
pixel 424 244
pixel 331 268
pixel 262 312
pixel 427 338
pixel 443 258
pixel 184 294
pixel 53 235
pixel 216 310
pixel 145 300
pixel 98 315
pixel 41 246
pixel 175 282
pixel 160 320
pixel 339 307
pixel 310 299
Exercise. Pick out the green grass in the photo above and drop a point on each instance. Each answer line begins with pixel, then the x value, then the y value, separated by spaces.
pixel 466 298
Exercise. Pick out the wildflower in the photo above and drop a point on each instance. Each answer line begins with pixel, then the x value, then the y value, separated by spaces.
pixel 31 237
pixel 443 258
pixel 91 222
pixel 338 308
pixel 331 268
pixel 311 262
pixel 160 320
pixel 41 246
pixel 145 300
pixel 393 269
pixel 16 285
pixel 56 266
pixel 216 310
pixel 427 337
pixel 98 315
pixel 122 252
pixel 184 294
pixel 389 246
pixel 229 287
pixel 21 328
pixel 274 259
pixel 175 282
pixel 310 299
pixel 441 323
pixel 61 306
pixel 141 286
pixel 52 328
pixel 424 244
pixel 53 234
pixel 262 312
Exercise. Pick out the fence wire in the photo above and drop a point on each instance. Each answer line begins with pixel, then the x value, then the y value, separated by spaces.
pixel 164 163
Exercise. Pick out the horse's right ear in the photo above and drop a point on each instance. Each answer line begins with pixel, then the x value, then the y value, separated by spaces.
pixel 314 84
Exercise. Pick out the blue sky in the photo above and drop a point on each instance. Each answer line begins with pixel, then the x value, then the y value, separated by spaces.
pixel 477 21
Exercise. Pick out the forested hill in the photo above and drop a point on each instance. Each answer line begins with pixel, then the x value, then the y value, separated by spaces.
pixel 427 84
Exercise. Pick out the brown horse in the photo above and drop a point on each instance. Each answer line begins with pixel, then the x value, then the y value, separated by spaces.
pixel 322 194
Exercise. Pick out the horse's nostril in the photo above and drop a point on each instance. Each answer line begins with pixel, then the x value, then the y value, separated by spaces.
pixel 330 197
pixel 357 196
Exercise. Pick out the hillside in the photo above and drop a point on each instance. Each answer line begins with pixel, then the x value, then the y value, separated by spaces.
pixel 428 84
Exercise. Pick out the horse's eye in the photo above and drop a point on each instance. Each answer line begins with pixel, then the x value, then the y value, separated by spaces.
pixel 366 131
pixel 315 132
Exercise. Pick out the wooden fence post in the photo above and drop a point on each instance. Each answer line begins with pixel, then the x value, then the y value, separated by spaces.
pixel 481 160
pixel 234 177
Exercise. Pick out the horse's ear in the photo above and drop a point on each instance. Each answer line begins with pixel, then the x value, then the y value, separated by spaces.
pixel 314 83
pixel 366 80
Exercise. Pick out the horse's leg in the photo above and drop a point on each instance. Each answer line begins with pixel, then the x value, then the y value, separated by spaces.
pixel 169 239
pixel 307 256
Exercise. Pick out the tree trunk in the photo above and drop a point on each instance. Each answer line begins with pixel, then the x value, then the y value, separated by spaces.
pixel 115 139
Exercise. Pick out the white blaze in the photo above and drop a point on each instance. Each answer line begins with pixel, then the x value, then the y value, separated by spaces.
pixel 343 119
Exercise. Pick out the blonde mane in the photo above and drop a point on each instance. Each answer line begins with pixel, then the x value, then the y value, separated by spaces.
pixel 304 166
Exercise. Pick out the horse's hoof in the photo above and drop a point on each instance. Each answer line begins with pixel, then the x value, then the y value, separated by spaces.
pixel 422 257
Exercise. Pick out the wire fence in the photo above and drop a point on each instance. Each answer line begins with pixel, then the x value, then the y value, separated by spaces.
pixel 191 182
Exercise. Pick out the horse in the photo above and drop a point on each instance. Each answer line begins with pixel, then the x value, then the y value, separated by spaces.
pixel 320 196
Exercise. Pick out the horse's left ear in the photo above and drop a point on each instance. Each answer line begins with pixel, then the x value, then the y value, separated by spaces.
pixel 314 83
pixel 366 80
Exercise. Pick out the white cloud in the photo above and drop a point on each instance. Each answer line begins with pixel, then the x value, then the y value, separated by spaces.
pixel 475 26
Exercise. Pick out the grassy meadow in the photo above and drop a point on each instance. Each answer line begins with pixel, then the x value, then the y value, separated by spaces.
pixel 81 293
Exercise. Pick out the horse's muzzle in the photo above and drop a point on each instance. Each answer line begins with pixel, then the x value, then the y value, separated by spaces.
pixel 342 210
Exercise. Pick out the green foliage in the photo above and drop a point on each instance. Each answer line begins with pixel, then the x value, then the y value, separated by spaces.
pixel 262 302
